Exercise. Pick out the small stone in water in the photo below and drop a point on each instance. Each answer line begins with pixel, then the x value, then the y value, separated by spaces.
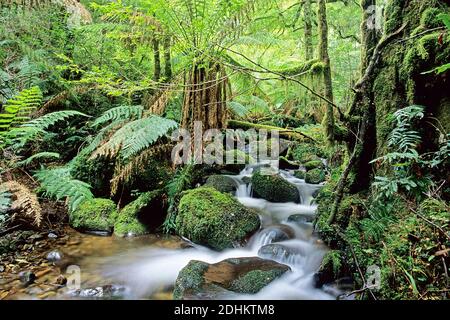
pixel 54 256
pixel 51 235
pixel 2 268
pixel 27 277
pixel 61 280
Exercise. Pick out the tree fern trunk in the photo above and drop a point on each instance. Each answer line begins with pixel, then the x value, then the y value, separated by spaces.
pixel 205 97
pixel 157 60
pixel 167 59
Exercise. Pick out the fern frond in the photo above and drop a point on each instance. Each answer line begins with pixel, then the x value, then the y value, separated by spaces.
pixel 119 113
pixel 5 201
pixel 50 119
pixel 19 108
pixel 135 137
pixel 59 184
pixel 25 202
pixel 39 156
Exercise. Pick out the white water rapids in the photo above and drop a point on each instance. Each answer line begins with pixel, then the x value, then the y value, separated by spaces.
pixel 146 271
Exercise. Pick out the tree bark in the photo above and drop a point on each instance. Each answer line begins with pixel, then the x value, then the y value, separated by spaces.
pixel 157 60
pixel 167 59
pixel 369 32
pixel 307 14
pixel 325 58
pixel 205 97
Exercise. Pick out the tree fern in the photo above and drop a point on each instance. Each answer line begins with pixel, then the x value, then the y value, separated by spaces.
pixel 58 183
pixel 135 137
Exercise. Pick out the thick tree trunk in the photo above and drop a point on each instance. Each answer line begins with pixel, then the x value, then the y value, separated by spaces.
pixel 307 14
pixel 369 32
pixel 167 59
pixel 157 60
pixel 325 58
pixel 205 97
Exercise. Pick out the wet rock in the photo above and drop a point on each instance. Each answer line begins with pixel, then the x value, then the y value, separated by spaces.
pixel 129 222
pixel 27 278
pixel 200 280
pixel 96 214
pixel 222 183
pixel 279 233
pixel 285 164
pixel 51 235
pixel 300 219
pixel 2 268
pixel 315 176
pixel 104 292
pixel 300 174
pixel 61 280
pixel 54 256
pixel 280 252
pixel 330 269
pixel 214 219
pixel 274 188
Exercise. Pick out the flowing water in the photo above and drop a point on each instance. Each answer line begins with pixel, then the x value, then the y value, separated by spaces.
pixel 146 271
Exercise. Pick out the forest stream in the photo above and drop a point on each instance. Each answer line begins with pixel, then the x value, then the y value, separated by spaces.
pixel 147 267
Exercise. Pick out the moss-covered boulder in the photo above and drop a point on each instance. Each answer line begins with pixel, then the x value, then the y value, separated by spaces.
pixel 232 276
pixel 274 188
pixel 94 215
pixel 300 174
pixel 224 184
pixel 214 219
pixel 315 176
pixel 130 221
pixel 314 164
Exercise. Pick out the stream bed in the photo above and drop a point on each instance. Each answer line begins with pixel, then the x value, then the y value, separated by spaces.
pixel 147 267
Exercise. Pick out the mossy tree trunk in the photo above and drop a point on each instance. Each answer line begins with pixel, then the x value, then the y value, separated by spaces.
pixel 394 78
pixel 325 58
pixel 167 59
pixel 307 14
pixel 369 32
pixel 156 60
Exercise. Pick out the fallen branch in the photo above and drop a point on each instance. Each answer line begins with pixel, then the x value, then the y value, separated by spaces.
pixel 284 133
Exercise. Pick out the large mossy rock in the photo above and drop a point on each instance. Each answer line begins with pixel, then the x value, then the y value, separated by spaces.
pixel 130 220
pixel 224 184
pixel 214 219
pixel 94 215
pixel 200 280
pixel 274 188
pixel 315 176
pixel 314 164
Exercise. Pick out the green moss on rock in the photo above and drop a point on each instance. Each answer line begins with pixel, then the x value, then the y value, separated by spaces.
pixel 199 280
pixel 310 165
pixel 222 183
pixel 214 219
pixel 299 174
pixel 274 188
pixel 96 214
pixel 315 176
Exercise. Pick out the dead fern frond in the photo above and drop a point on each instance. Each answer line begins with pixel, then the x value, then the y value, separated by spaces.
pixel 124 174
pixel 25 203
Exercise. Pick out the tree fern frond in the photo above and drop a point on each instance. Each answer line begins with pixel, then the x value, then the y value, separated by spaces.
pixel 58 183
pixel 119 113
pixel 135 137
pixel 19 108
pixel 39 156
pixel 25 203
pixel 50 119
pixel 5 201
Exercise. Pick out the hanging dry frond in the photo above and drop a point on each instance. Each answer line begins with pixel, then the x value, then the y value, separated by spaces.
pixel 124 174
pixel 25 204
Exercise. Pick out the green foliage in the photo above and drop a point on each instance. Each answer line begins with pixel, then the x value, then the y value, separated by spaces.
pixel 120 113
pixel 19 108
pixel 59 184
pixel 39 156
pixel 403 141
pixel 136 136
pixel 181 181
